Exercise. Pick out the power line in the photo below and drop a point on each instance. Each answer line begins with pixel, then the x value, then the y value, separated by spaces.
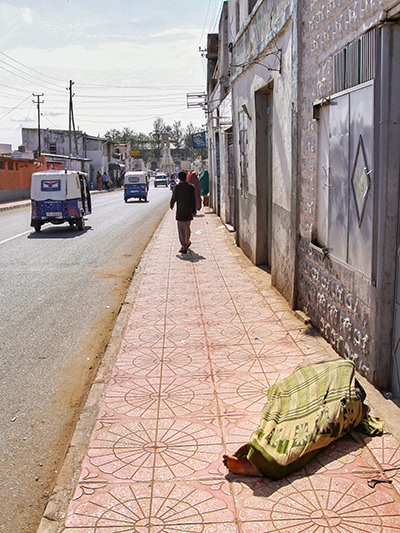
pixel 15 107
pixel 31 77
pixel 217 12
pixel 30 68
pixel 205 22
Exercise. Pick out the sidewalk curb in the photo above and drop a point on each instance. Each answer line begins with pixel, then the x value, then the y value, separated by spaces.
pixel 8 206
pixel 17 204
pixel 56 508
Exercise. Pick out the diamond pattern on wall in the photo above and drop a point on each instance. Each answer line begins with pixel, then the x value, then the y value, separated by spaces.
pixel 360 180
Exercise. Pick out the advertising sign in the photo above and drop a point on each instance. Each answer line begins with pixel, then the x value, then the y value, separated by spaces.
pixel 199 139
pixel 51 185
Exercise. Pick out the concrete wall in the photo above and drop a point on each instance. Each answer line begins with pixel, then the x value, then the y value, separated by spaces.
pixel 353 311
pixel 14 195
pixel 264 49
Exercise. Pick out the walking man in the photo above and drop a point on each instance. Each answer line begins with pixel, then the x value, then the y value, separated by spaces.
pixel 184 197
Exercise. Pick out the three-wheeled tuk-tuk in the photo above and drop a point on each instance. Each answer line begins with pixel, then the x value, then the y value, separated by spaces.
pixel 59 196
pixel 136 185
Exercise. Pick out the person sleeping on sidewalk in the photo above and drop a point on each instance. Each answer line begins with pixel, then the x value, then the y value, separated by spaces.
pixel 314 406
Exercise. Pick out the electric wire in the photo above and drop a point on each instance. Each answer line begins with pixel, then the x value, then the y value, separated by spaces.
pixel 15 107
pixel 158 96
pixel 30 68
pixel 205 22
pixel 30 79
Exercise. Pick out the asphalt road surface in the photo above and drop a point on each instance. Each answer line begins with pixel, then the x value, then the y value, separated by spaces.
pixel 61 290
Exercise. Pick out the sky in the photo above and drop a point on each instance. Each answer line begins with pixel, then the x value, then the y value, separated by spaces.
pixel 130 61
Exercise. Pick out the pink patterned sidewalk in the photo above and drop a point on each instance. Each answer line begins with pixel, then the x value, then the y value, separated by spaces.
pixel 202 346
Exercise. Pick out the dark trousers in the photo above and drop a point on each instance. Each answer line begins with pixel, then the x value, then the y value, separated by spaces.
pixel 184 233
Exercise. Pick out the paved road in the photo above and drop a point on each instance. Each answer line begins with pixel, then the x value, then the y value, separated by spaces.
pixel 61 290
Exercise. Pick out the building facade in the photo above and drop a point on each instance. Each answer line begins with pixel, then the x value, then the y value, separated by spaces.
pixel 314 147
pixel 16 169
pixel 93 154
pixel 348 174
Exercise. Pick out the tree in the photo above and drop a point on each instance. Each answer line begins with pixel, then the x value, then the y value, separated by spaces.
pixel 176 134
pixel 126 135
pixel 149 145
pixel 190 129
pixel 158 128
pixel 113 135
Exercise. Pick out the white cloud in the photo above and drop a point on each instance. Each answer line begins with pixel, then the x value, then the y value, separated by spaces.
pixel 27 15
pixel 176 32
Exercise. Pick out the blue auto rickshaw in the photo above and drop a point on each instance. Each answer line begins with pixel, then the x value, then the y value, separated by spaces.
pixel 59 196
pixel 136 185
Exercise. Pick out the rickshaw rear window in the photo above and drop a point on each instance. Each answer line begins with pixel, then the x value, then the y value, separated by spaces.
pixel 50 185
pixel 133 179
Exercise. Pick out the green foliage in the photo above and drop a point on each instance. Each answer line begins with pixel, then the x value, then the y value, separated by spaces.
pixel 149 144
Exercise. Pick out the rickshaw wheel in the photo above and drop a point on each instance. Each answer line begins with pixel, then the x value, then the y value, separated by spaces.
pixel 37 226
pixel 80 223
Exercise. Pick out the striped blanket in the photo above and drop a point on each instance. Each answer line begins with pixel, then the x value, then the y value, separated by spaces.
pixel 304 413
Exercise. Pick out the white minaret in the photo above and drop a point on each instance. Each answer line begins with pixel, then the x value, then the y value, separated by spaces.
pixel 167 163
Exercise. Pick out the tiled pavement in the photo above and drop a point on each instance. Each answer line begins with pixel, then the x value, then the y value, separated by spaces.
pixel 202 345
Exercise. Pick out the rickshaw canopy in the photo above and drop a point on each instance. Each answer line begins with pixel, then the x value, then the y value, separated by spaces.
pixel 56 185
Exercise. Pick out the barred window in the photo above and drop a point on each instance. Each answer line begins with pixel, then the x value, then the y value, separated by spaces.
pixel 355 63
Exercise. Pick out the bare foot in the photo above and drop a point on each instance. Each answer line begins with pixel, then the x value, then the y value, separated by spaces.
pixel 240 466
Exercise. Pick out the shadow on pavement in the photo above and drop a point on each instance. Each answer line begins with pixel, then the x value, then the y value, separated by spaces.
pixel 59 233
pixel 191 256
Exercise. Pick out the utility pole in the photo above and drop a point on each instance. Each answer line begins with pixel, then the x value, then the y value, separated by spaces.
pixel 38 102
pixel 71 120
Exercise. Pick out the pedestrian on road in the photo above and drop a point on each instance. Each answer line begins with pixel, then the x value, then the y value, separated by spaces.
pixel 184 197
pixel 106 179
pixel 99 181
pixel 194 180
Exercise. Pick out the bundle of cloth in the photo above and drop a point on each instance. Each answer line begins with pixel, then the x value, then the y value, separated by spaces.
pixel 314 406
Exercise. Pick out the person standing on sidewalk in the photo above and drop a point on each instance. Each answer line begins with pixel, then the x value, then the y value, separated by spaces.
pixel 194 180
pixel 184 197
pixel 106 179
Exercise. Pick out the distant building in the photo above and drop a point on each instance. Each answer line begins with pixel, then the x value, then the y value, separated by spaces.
pixel 16 169
pixel 91 154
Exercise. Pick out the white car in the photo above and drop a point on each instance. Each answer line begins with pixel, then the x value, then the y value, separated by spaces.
pixel 161 179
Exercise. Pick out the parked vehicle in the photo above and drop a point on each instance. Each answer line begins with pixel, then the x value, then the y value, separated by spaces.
pixel 59 196
pixel 161 179
pixel 136 185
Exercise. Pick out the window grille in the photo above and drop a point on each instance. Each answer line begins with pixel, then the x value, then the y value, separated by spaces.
pixel 367 56
pixel 355 63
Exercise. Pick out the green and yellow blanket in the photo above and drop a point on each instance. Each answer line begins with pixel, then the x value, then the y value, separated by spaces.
pixel 304 413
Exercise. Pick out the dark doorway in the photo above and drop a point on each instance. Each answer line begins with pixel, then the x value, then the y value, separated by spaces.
pixel 264 123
